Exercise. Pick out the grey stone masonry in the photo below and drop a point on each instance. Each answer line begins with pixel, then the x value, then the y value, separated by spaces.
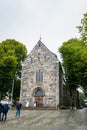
pixel 40 77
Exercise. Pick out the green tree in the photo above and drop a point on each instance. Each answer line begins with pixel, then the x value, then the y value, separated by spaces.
pixel 74 61
pixel 83 32
pixel 83 28
pixel 12 53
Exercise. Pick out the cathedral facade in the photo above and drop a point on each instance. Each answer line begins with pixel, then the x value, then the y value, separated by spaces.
pixel 41 80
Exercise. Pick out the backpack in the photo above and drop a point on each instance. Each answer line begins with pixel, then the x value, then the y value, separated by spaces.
pixel 5 107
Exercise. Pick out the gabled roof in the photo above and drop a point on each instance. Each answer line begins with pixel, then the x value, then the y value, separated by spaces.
pixel 41 46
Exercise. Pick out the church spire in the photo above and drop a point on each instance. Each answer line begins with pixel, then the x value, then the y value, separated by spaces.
pixel 40 37
pixel 39 42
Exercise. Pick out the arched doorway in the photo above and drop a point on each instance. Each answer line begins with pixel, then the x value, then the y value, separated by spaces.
pixel 38 93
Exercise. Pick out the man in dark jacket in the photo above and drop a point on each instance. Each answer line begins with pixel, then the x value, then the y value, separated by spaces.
pixel 5 111
pixel 18 108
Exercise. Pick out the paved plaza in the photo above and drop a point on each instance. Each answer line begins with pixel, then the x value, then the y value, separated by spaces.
pixel 46 120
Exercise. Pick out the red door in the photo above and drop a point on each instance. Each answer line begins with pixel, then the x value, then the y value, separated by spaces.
pixel 39 101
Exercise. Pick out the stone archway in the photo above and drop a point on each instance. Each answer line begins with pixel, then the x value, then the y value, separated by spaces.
pixel 38 93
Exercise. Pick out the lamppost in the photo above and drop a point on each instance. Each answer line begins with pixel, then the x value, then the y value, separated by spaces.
pixel 12 91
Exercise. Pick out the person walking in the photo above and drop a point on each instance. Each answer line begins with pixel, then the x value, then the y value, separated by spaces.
pixel 5 111
pixel 18 108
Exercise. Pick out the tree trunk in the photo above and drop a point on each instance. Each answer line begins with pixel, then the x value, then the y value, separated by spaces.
pixel 0 96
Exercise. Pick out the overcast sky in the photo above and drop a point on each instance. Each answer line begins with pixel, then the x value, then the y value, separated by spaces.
pixel 54 20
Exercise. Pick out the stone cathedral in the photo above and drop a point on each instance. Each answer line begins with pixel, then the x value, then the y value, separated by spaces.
pixel 41 80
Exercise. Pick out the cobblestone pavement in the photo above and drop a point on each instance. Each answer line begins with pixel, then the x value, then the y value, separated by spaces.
pixel 46 120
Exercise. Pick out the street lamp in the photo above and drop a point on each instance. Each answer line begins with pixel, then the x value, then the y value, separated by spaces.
pixel 12 91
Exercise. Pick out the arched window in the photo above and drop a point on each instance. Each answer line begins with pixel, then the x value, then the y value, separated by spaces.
pixel 38 93
pixel 39 76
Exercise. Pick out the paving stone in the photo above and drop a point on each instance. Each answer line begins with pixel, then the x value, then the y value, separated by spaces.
pixel 46 120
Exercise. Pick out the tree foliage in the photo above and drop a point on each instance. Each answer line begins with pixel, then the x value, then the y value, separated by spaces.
pixel 83 28
pixel 12 53
pixel 74 58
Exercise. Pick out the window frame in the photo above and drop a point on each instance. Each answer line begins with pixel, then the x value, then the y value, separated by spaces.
pixel 39 76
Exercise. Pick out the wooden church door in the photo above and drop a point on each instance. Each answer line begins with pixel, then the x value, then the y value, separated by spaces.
pixel 39 98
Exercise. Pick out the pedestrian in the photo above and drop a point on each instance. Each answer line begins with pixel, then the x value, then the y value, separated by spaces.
pixel 72 104
pixel 18 108
pixel 1 111
pixel 5 111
